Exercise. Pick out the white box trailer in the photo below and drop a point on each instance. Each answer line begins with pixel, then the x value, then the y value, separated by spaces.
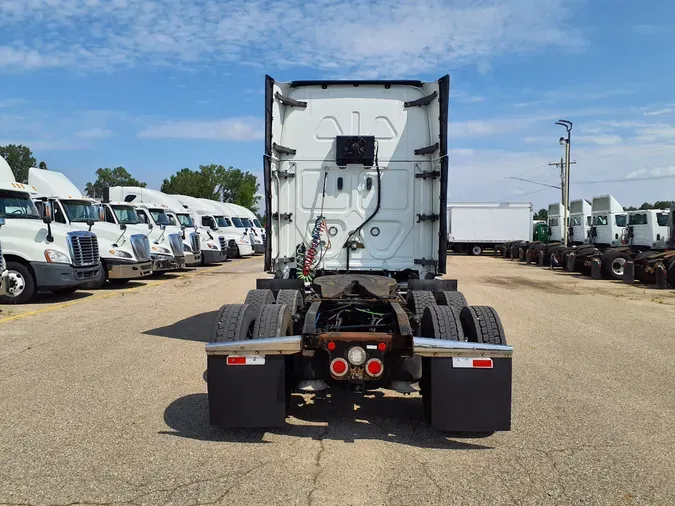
pixel 475 226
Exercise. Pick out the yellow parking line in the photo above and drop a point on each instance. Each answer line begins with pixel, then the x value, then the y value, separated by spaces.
pixel 120 292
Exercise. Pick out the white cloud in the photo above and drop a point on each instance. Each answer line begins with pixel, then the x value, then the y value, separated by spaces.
pixel 384 37
pixel 602 140
pixel 656 172
pixel 660 112
pixel 237 129
pixel 94 133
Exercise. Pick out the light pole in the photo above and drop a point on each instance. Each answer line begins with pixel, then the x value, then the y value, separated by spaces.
pixel 566 200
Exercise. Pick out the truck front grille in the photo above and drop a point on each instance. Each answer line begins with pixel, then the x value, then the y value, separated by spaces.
pixel 141 246
pixel 176 243
pixel 83 248
pixel 223 243
pixel 195 242
pixel 251 237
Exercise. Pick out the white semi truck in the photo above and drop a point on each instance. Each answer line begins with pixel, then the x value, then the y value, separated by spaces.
pixel 123 213
pixel 166 247
pixel 212 218
pixel 580 222
pixel 244 218
pixel 477 226
pixel 41 255
pixel 355 179
pixel 125 252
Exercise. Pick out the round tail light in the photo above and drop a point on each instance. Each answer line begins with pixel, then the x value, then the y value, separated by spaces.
pixel 356 355
pixel 339 367
pixel 374 367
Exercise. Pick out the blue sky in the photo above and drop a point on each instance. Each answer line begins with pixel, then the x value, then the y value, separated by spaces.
pixel 158 85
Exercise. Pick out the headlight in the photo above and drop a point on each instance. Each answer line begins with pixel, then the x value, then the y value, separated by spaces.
pixel 120 253
pixel 187 248
pixel 211 246
pixel 159 249
pixel 56 257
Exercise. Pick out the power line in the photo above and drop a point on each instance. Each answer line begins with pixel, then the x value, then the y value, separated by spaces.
pixel 524 194
pixel 534 182
pixel 646 178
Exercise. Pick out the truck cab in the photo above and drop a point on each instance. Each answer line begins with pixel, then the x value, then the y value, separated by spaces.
pixel 250 221
pixel 192 241
pixel 580 222
pixel 556 221
pixel 40 255
pixel 125 252
pixel 647 228
pixel 609 221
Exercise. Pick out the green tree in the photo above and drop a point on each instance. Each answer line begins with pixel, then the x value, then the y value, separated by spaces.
pixel 20 159
pixel 542 214
pixel 43 166
pixel 215 182
pixel 662 204
pixel 238 187
pixel 200 183
pixel 119 176
pixel 630 208
pixel 645 205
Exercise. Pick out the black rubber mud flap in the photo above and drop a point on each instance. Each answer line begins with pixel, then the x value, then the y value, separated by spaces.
pixel 629 272
pixel 470 400
pixel 247 396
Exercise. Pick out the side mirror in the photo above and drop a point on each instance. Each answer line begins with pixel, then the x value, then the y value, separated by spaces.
pixel 90 223
pixel 182 227
pixel 162 227
pixel 123 226
pixel 101 213
pixel 149 226
pixel 214 228
pixel 46 213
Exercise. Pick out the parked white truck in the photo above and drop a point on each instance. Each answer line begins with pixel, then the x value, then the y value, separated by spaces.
pixel 244 218
pixel 355 172
pixel 125 252
pixel 474 227
pixel 166 247
pixel 41 255
pixel 124 214
pixel 580 222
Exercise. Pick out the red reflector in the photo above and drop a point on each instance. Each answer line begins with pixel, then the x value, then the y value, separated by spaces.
pixel 236 360
pixel 382 346
pixel 339 367
pixel 482 362
pixel 330 345
pixel 374 367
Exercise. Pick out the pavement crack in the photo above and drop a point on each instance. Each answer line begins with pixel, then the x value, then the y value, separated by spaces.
pixel 317 463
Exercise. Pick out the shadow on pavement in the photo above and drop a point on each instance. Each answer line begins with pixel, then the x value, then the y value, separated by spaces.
pixel 55 298
pixel 194 328
pixel 373 416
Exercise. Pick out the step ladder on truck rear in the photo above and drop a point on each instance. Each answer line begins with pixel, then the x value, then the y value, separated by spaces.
pixel 355 178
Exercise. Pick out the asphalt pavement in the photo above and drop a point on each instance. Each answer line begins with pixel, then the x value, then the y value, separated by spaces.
pixel 103 401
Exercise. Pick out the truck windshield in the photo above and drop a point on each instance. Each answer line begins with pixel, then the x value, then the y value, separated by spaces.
pixel 185 220
pixel 17 205
pixel 637 219
pixel 576 221
pixel 257 224
pixel 126 215
pixel 662 219
pixel 247 222
pixel 619 219
pixel 237 223
pixel 160 217
pixel 600 220
pixel 223 222
pixel 79 210
pixel 172 219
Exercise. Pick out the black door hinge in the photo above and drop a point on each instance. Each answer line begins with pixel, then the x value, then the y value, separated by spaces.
pixel 433 174
pixel 285 174
pixel 427 217
pixel 424 262
pixel 284 216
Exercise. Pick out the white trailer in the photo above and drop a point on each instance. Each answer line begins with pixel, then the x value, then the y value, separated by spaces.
pixel 475 226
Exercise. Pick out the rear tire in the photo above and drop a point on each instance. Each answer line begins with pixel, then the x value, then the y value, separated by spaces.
pixel 476 250
pixel 612 265
pixel 258 298
pixel 455 300
pixel 273 321
pixel 438 322
pixel 481 324
pixel 234 323
pixel 291 298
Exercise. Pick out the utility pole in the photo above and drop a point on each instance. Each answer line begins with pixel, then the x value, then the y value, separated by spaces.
pixel 566 177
